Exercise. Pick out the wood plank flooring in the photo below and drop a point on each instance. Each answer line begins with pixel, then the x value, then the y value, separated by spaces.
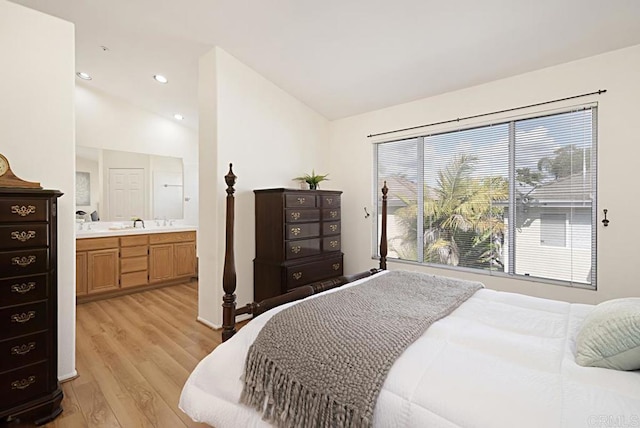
pixel 133 355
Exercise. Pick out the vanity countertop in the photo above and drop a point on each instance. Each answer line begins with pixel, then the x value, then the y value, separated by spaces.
pixel 104 233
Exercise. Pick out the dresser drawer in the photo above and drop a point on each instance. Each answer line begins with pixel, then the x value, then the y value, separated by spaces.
pixel 25 289
pixel 329 201
pixel 302 230
pixel 331 214
pixel 23 351
pixel 311 272
pixel 331 228
pixel 23 209
pixel 23 384
pixel 299 200
pixel 134 251
pixel 302 248
pixel 130 241
pixel 331 243
pixel 293 216
pixel 23 262
pixel 22 319
pixel 24 236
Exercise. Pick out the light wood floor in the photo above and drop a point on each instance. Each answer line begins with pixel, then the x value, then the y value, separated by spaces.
pixel 134 354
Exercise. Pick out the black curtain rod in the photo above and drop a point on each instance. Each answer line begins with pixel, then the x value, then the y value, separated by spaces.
pixel 598 92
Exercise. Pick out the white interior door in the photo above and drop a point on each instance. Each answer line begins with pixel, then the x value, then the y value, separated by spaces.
pixel 126 193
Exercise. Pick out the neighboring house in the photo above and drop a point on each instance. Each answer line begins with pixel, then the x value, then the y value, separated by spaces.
pixel 553 222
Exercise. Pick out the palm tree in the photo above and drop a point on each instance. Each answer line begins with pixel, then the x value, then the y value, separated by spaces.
pixel 462 225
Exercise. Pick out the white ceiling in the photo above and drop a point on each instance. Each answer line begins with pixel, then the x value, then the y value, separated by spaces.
pixel 339 57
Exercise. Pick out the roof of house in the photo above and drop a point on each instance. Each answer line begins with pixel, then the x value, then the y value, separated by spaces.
pixel 576 188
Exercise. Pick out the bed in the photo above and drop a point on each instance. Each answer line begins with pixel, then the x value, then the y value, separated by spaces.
pixel 498 360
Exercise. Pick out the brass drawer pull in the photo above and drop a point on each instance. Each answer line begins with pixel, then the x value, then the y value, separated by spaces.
pixel 23 211
pixel 296 249
pixel 23 317
pixel 295 231
pixel 333 214
pixel 23 261
pixel 23 349
pixel 333 244
pixel 297 275
pixel 23 288
pixel 336 266
pixel 23 236
pixel 301 200
pixel 333 227
pixel 329 201
pixel 295 215
pixel 24 383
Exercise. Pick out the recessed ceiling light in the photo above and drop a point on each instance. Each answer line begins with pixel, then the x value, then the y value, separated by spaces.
pixel 160 78
pixel 83 75
pixel 178 116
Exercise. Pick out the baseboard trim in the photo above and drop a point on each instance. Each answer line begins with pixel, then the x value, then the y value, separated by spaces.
pixel 69 376
pixel 209 323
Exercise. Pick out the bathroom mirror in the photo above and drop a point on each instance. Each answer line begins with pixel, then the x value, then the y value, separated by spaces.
pixel 121 185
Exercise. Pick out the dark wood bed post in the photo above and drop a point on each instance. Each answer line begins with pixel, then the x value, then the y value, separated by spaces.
pixel 229 273
pixel 383 235
pixel 229 311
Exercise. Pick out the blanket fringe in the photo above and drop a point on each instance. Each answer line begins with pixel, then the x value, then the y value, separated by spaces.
pixel 287 403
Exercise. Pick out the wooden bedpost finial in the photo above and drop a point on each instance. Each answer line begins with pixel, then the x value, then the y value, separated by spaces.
pixel 229 274
pixel 383 235
pixel 230 179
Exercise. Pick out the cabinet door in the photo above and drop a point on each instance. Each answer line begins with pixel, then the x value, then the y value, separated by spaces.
pixel 185 258
pixel 160 262
pixel 81 274
pixel 102 270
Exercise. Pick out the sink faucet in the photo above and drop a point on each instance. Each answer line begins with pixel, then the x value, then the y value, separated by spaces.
pixel 136 220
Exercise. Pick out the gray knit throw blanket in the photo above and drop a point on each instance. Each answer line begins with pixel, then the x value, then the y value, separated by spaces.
pixel 322 362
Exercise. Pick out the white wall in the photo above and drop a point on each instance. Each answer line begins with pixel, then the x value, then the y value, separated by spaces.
pixel 270 137
pixel 107 122
pixel 618 152
pixel 37 134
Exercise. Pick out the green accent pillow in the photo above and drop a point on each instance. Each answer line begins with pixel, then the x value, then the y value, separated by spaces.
pixel 610 336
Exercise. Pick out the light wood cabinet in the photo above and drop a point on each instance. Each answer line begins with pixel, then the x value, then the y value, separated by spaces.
pixel 115 265
pixel 172 256
pixel 102 271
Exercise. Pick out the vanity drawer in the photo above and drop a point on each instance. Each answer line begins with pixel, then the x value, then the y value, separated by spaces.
pixel 134 278
pixel 331 214
pixel 86 244
pixel 25 289
pixel 134 264
pixel 24 262
pixel 132 241
pixel 311 272
pixel 293 216
pixel 331 243
pixel 303 230
pixel 299 200
pixel 23 351
pixel 24 236
pixel 24 383
pixel 163 238
pixel 302 248
pixel 23 319
pixel 24 209
pixel 134 251
pixel 331 228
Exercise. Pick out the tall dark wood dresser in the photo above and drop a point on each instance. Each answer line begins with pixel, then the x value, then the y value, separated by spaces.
pixel 29 385
pixel 297 239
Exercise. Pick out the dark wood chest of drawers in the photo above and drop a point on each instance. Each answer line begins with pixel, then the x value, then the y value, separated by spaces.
pixel 29 387
pixel 297 239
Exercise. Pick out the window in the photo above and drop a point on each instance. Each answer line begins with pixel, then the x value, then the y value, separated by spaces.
pixel 513 197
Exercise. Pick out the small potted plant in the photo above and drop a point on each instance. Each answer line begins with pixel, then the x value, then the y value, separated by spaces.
pixel 312 180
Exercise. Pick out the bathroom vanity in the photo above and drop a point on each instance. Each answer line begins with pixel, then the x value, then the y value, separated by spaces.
pixel 111 263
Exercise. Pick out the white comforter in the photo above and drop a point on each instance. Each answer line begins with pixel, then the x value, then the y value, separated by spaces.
pixel 499 360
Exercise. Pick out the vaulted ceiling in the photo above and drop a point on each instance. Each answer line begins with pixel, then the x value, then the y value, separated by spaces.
pixel 339 57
